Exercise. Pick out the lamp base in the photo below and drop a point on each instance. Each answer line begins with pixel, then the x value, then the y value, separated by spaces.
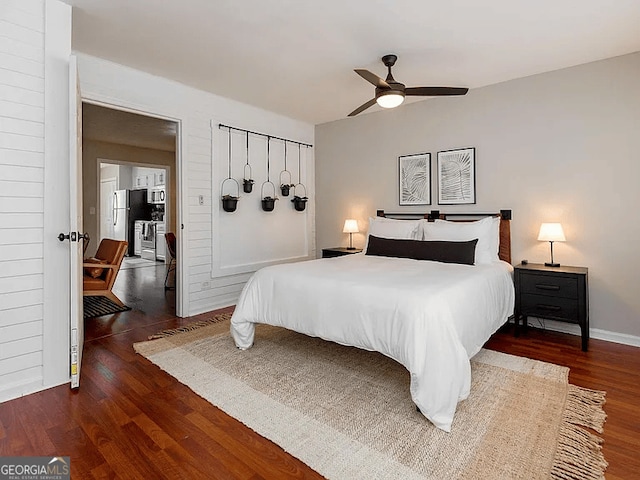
pixel 547 264
pixel 351 248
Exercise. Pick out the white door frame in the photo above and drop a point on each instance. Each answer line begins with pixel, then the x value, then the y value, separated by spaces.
pixel 182 304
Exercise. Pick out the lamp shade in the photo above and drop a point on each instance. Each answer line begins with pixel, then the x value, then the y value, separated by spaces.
pixel 350 226
pixel 390 99
pixel 551 232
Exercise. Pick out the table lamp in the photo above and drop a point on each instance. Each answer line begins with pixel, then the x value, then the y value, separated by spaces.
pixel 551 232
pixel 350 227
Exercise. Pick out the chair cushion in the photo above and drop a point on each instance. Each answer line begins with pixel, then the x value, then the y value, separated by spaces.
pixel 97 271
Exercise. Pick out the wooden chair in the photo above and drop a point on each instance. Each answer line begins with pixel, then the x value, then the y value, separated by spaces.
pixel 170 238
pixel 100 272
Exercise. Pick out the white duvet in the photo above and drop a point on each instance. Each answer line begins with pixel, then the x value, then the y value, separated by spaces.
pixel 431 317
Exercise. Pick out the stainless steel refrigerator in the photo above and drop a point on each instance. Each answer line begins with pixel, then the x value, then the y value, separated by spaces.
pixel 129 206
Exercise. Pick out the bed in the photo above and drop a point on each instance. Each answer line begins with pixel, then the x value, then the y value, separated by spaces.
pixel 431 316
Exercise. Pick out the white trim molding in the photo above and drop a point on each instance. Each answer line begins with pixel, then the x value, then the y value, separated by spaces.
pixel 595 333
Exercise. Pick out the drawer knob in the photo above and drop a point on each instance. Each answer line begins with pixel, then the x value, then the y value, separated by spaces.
pixel 544 286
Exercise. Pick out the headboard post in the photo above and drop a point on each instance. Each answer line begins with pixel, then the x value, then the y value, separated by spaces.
pixel 504 251
pixel 505 214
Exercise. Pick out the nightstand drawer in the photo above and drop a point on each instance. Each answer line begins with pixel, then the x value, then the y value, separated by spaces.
pixel 549 307
pixel 554 286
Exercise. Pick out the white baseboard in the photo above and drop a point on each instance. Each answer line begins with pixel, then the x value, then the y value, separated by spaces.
pixel 216 305
pixel 23 389
pixel 597 333
pixel 18 389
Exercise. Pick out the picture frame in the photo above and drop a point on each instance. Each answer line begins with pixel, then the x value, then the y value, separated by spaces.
pixel 414 174
pixel 457 176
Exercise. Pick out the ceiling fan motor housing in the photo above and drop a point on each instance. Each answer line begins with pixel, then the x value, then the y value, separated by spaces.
pixel 395 87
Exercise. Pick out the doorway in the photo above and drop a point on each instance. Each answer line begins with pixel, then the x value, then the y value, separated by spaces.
pixel 131 157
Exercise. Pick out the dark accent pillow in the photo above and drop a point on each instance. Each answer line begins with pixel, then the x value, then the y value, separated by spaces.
pixel 436 250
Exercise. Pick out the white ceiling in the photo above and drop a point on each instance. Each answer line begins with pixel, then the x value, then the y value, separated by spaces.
pixel 296 57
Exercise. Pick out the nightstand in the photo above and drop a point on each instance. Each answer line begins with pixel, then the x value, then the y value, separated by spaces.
pixel 555 293
pixel 338 252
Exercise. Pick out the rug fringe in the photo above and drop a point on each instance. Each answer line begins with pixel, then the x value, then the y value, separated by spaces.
pixel 192 326
pixel 579 453
pixel 584 407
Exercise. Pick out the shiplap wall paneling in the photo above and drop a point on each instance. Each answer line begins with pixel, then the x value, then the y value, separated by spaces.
pixel 114 84
pixel 21 194
pixel 198 179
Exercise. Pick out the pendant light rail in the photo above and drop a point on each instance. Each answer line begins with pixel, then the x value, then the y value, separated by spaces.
pixel 228 127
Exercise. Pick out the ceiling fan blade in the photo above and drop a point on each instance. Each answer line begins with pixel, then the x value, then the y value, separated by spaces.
pixel 435 91
pixel 372 78
pixel 363 107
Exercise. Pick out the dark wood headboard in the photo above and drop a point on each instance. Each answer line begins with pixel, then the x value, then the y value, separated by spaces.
pixel 504 252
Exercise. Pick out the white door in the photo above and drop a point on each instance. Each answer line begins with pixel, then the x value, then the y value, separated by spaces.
pixel 75 218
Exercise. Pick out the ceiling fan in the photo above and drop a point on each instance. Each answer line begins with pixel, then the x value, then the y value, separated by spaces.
pixel 390 94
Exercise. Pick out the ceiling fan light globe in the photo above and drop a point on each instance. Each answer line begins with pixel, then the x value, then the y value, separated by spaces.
pixel 390 99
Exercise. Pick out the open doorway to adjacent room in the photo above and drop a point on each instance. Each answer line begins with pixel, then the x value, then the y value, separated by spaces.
pixel 129 165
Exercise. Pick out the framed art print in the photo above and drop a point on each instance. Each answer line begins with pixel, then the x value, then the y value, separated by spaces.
pixel 457 177
pixel 415 179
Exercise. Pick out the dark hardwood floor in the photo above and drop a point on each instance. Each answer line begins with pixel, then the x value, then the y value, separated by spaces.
pixel 131 420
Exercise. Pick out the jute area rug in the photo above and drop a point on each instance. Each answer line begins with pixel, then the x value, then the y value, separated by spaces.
pixel 347 413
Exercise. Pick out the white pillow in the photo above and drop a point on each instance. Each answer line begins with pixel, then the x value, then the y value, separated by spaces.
pixel 487 231
pixel 391 228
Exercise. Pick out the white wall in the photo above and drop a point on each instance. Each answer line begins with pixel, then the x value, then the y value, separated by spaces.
pixel 251 237
pixel 560 146
pixel 35 42
pixel 207 230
